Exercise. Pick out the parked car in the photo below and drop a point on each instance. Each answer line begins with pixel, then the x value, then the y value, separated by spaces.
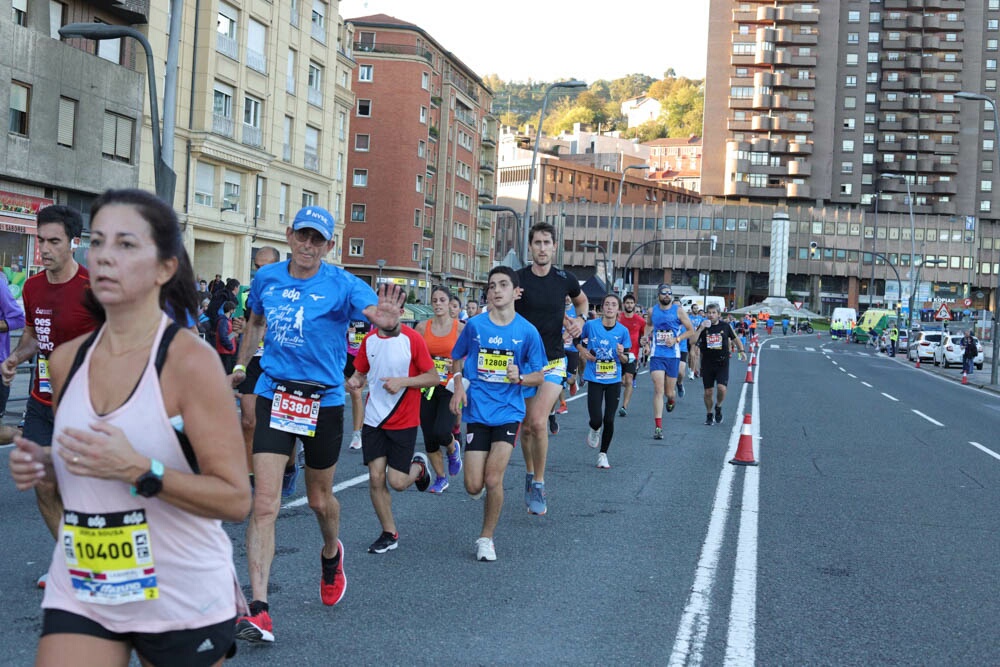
pixel 923 344
pixel 901 345
pixel 950 351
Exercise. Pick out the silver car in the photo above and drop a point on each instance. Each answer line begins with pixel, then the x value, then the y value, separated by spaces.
pixel 922 345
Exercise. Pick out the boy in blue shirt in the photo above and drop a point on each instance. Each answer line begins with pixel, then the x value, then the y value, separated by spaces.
pixel 504 354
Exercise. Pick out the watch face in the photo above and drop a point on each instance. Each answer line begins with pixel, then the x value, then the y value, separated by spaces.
pixel 148 485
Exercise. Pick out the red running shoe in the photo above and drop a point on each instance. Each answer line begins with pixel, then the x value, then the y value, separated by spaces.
pixel 332 592
pixel 255 627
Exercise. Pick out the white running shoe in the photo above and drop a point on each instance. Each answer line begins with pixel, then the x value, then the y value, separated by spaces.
pixel 485 550
pixel 602 461
pixel 356 440
pixel 690 374
pixel 594 439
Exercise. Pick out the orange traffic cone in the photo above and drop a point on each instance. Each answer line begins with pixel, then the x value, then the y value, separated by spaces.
pixel 749 378
pixel 753 360
pixel 817 335
pixel 744 450
pixel 965 378
pixel 918 360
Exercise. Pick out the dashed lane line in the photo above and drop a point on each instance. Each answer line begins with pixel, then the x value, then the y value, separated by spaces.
pixel 891 398
pixel 985 449
pixel 866 384
pixel 852 375
pixel 930 419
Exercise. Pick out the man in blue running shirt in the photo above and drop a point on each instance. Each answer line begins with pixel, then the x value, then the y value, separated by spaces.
pixel 499 354
pixel 666 325
pixel 301 308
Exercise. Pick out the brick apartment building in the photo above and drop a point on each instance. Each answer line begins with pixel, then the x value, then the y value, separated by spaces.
pixel 421 157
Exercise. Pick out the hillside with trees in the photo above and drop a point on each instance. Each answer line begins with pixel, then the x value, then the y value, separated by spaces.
pixel 599 106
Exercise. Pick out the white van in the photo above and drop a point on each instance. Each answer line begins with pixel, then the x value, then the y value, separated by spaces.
pixel 720 301
pixel 842 320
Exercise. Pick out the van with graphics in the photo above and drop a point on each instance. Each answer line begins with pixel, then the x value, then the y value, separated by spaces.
pixel 842 321
pixel 703 302
pixel 872 323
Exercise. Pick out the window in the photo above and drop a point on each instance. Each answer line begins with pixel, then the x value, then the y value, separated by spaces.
pixel 991 45
pixel 286 133
pixel 357 212
pixel 418 217
pixel 319 21
pixel 853 16
pixel 851 59
pixel 222 101
pixel 67 122
pixel 283 203
pixel 231 186
pixel 850 102
pixel 19 12
pixel 204 184
pixel 463 201
pixel 415 252
pixel 423 115
pixel 339 175
pixel 117 141
pixel 421 149
pixel 986 186
pixel 847 145
pixel 873 38
pixel 251 121
pixel 360 178
pixel 110 49
pixel 341 124
pixel 308 198
pixel 420 183
pixel 362 142
pixel 357 248
pixel 258 197
pixel 225 31
pixel 366 72
pixel 851 81
pixel 364 108
pixel 57 16
pixel 311 149
pixel 256 46
pixel 852 38
pixel 290 73
pixel 847 167
pixel 315 84
pixel 425 80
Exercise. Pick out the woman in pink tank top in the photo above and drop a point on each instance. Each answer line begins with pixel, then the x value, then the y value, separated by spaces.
pixel 148 458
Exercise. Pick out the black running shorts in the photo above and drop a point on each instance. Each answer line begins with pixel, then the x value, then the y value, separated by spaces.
pixel 395 445
pixel 480 437
pixel 322 451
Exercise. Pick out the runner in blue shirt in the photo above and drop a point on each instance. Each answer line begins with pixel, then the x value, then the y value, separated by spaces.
pixel 499 354
pixel 697 316
pixel 603 346
pixel 666 324
pixel 301 308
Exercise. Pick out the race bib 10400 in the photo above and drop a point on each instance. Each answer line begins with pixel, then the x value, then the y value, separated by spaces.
pixel 109 557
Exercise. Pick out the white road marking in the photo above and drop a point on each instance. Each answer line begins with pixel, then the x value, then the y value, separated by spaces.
pixel 852 375
pixel 692 631
pixel 891 398
pixel 865 384
pixel 810 349
pixel 933 421
pixel 774 347
pixel 864 354
pixel 844 370
pixel 354 481
pixel 986 449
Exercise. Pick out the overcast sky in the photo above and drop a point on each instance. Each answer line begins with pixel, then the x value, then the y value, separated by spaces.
pixel 545 40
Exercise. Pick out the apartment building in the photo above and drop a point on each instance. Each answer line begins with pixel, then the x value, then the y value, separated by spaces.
pixel 848 109
pixel 263 106
pixel 420 158
pixel 676 161
pixel 74 112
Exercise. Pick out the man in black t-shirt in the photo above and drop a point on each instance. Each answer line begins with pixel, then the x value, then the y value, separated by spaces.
pixel 542 301
pixel 714 340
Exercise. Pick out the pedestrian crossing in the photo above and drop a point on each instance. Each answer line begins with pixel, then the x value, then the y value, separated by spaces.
pixel 822 350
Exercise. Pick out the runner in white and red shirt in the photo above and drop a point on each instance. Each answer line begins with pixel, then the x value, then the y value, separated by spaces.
pixel 396 364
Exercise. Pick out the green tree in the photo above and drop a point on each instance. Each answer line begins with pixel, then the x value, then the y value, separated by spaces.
pixel 629 86
pixel 685 110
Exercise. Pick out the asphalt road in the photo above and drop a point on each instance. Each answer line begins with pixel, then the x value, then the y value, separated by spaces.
pixel 867 535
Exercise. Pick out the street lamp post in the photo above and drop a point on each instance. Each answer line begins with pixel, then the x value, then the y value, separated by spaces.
pixel 596 246
pixel 899 284
pixel 526 219
pixel 913 245
pixel 381 265
pixel 511 257
pixel 163 176
pixel 614 218
pixel 871 284
pixel 964 95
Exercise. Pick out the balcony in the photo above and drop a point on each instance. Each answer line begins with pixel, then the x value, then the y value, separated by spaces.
pixel 483 250
pixel 256 61
pixel 487 166
pixel 252 136
pixel 222 125
pixel 488 141
pixel 466 117
pixel 227 46
pixel 311 161
pixel 484 222
pixel 315 97
pixel 319 32
pixel 399 49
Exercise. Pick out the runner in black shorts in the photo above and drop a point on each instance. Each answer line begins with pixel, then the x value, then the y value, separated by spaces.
pixel 714 339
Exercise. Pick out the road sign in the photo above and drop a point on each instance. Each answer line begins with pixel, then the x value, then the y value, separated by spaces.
pixel 967 302
pixel 797 304
pixel 943 313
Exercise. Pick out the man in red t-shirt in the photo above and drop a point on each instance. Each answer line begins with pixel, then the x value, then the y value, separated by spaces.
pixel 636 324
pixel 55 312
pixel 396 365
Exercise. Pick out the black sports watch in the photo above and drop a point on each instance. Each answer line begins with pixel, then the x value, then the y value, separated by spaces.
pixel 150 482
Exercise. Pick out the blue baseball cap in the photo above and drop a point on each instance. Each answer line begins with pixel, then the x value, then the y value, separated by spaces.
pixel 665 289
pixel 314 217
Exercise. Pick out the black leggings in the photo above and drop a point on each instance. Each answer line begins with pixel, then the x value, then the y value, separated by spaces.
pixel 436 419
pixel 606 395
